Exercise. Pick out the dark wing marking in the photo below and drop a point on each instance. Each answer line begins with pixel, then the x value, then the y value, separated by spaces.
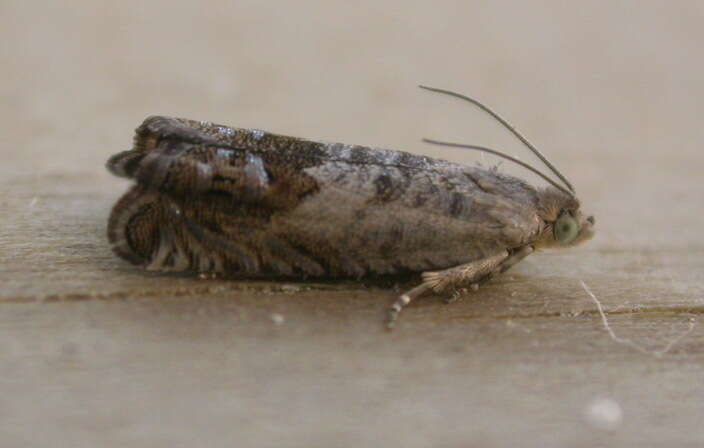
pixel 182 168
pixel 174 234
pixel 148 136
pixel 149 229
pixel 186 157
pixel 295 152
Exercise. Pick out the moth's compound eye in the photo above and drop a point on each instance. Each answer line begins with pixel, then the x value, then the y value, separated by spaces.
pixel 566 228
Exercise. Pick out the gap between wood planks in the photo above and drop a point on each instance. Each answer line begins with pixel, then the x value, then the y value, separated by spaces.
pixel 284 288
pixel 302 288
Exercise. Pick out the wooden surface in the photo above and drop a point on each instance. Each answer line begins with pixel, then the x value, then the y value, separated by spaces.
pixel 98 353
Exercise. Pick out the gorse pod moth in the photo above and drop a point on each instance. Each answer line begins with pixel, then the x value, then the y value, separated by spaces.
pixel 216 199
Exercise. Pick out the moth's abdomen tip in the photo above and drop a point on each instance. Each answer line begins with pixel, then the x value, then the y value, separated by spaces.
pixel 122 249
pixel 125 163
pixel 132 226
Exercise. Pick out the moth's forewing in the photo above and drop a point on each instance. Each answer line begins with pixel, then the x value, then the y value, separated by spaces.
pixel 237 200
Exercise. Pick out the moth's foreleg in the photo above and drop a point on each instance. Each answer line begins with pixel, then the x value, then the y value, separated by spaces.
pixel 441 281
pixel 517 256
pixel 473 274
pixel 465 275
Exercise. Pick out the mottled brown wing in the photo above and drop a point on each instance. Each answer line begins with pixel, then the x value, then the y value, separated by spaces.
pixel 391 219
pixel 213 198
pixel 187 213
pixel 151 135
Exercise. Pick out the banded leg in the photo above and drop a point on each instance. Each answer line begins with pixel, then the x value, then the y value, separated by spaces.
pixel 469 274
pixel 403 300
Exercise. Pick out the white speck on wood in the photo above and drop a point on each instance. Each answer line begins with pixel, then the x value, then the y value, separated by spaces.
pixel 604 413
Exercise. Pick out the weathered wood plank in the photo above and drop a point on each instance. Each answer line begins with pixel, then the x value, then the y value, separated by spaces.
pixel 95 352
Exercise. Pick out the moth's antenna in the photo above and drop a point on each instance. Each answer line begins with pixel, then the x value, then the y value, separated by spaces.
pixel 505 156
pixel 508 126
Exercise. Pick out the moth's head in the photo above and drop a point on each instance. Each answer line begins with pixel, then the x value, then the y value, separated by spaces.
pixel 566 225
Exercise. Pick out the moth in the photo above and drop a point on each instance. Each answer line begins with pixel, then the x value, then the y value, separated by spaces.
pixel 216 199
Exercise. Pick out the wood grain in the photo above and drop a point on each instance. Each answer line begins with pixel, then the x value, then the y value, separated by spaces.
pixel 96 352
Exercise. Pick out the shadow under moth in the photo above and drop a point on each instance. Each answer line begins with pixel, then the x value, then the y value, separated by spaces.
pixel 216 199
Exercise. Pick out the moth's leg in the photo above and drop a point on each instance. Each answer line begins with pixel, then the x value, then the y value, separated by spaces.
pixel 517 256
pixel 469 274
pixel 403 300
pixel 440 281
pixel 482 276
